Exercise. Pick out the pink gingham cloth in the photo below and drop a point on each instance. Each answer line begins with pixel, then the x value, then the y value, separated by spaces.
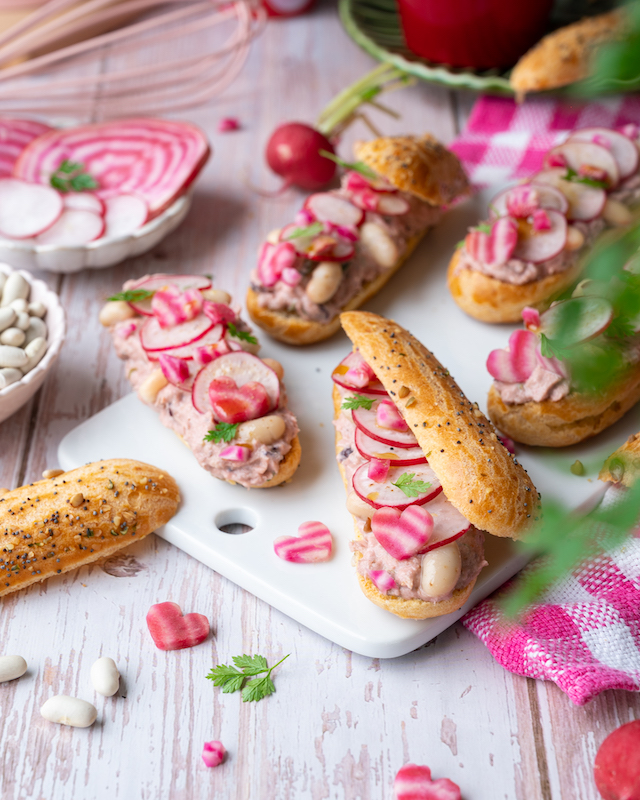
pixel 584 634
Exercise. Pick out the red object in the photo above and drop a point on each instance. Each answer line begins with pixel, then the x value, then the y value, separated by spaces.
pixel 473 33
pixel 617 766
pixel 170 630
pixel 287 8
pixel 413 782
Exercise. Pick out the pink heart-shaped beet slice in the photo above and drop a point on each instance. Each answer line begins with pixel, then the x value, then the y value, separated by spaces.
pixel 312 544
pixel 170 630
pixel 413 782
pixel 496 247
pixel 517 363
pixel 402 534
pixel 232 403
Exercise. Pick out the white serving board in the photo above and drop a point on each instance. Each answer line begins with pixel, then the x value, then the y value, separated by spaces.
pixel 326 597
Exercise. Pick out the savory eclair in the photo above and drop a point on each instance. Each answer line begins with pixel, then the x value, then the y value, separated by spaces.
pixel 425 473
pixel 345 244
pixel 192 358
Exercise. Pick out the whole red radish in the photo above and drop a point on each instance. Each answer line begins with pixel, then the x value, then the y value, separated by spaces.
pixel 293 152
pixel 287 8
pixel 617 766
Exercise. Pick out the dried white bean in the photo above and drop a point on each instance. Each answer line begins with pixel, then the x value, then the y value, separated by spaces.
pixel 13 336
pixel 265 430
pixel 12 667
pixel 19 305
pixel 23 320
pixel 358 507
pixel 575 238
pixel 69 711
pixel 616 213
pixel 440 570
pixel 9 375
pixel 217 296
pixel 37 329
pixel 105 676
pixel 7 318
pixel 12 356
pixel 379 244
pixel 276 366
pixel 115 311
pixel 15 288
pixel 34 352
pixel 37 309
pixel 325 279
pixel 3 280
pixel 149 388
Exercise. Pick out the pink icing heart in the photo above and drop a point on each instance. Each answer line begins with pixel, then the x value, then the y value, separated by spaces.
pixel 414 782
pixel 496 247
pixel 231 403
pixel 313 543
pixel 170 630
pixel 402 534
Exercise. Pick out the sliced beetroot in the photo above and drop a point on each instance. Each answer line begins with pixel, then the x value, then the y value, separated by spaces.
pixel 219 313
pixel 621 147
pixel 389 418
pixel 382 580
pixel 496 247
pixel 156 159
pixel 531 318
pixel 378 469
pixel 27 209
pixel 585 202
pixel 541 245
pixel 236 452
pixel 331 207
pixel 402 534
pixel 124 214
pixel 84 201
pixel 413 782
pixel 172 307
pixel 175 370
pixel 170 630
pixel 243 368
pixel 366 420
pixel 231 403
pixel 154 338
pixel 517 363
pixel 400 457
pixel 516 203
pixel 153 283
pixel 617 766
pixel 583 318
pixel 353 372
pixel 378 495
pixel 15 135
pixel 73 228
pixel 579 155
pixel 313 544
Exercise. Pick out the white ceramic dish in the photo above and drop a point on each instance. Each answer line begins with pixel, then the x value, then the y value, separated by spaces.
pixel 17 394
pixel 105 252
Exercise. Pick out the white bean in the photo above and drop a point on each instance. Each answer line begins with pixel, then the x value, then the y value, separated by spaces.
pixel 440 570
pixel 325 279
pixel 358 507
pixel 115 311
pixel 34 351
pixel 16 288
pixel 9 375
pixel 19 305
pixel 616 213
pixel 37 329
pixel 7 318
pixel 575 238
pixel 12 667
pixel 217 296
pixel 37 309
pixel 3 280
pixel 23 320
pixel 276 366
pixel 265 430
pixel 379 244
pixel 69 711
pixel 13 336
pixel 105 676
pixel 12 356
pixel 149 388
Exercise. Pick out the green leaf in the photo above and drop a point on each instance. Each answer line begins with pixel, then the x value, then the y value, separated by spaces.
pixel 460 244
pixel 574 177
pixel 70 176
pixel 251 665
pixel 546 348
pixel 258 688
pixel 411 487
pixel 226 676
pixel 356 166
pixel 223 432
pixel 132 295
pixel 84 182
pixel 244 336
pixel 358 401
pixel 310 230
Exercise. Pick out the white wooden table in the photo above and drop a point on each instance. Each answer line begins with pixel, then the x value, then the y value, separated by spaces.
pixel 339 725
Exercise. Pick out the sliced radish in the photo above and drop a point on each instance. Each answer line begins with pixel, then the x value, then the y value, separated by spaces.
pixel 621 147
pixel 578 155
pixel 366 420
pixel 124 214
pixel 402 534
pixel 541 245
pixel 400 457
pixel 153 283
pixel 517 363
pixel 353 372
pixel 154 338
pixel 547 197
pixel 84 201
pixel 15 135
pixel 27 209
pixel 380 495
pixel 73 228
pixel 392 205
pixel 448 523
pixel 243 368
pixel 156 159
pixel 331 207
pixel 583 317
pixel 585 202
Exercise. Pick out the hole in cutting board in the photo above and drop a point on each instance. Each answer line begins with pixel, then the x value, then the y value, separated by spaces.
pixel 236 520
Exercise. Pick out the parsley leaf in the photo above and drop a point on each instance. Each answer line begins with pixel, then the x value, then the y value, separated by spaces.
pixel 356 166
pixel 573 176
pixel 132 295
pixel 231 679
pixel 223 432
pixel 411 487
pixel 70 177
pixel 358 401
pixel 244 336
pixel 310 230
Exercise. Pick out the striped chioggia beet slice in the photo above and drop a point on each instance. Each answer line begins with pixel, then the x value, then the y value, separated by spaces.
pixel 517 363
pixel 516 203
pixel 236 452
pixel 155 338
pixel 389 418
pixel 400 457
pixel 213 753
pixel 367 421
pixel 175 370
pixel 402 534
pixel 354 373
pixel 153 283
pixel 170 630
pixel 413 782
pixel 243 368
pixel 621 147
pixel 312 544
pixel 382 580
pixel 585 202
pixel 15 135
pixel 73 228
pixel 156 159
pixel 378 469
pixel 389 493
pixel 27 209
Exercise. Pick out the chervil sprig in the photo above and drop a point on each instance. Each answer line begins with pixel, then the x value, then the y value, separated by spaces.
pixel 223 432
pixel 132 295
pixel 358 401
pixel 244 336
pixel 231 679
pixel 71 177
pixel 411 487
